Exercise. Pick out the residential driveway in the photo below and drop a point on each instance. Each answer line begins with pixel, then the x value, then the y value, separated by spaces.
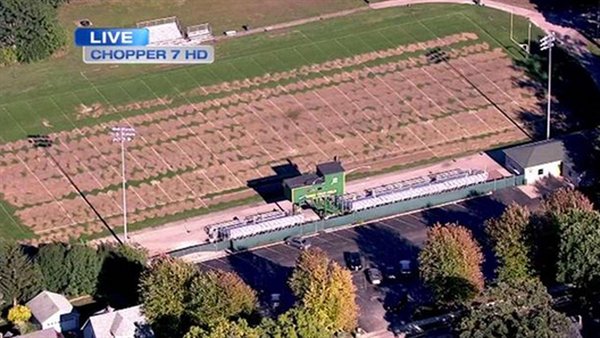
pixel 380 243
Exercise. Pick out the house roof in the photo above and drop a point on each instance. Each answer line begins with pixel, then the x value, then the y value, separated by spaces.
pixel 47 333
pixel 533 154
pixel 328 168
pixel 303 180
pixel 47 304
pixel 128 322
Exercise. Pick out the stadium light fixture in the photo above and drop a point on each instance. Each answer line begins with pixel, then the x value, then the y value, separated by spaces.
pixel 122 135
pixel 546 43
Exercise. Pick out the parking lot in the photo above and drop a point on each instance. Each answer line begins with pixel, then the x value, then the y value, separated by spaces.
pixel 381 243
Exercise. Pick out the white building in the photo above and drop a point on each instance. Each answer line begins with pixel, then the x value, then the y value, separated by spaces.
pixel 53 311
pixel 47 333
pixel 536 160
pixel 124 323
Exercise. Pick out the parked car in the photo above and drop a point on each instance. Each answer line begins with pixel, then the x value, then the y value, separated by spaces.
pixel 374 276
pixel 353 261
pixel 390 273
pixel 298 242
pixel 406 268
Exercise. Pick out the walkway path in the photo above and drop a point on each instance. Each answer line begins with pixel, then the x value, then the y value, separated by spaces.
pixel 569 39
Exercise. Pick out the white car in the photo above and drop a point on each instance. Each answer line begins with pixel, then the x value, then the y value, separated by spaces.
pixel 374 276
pixel 298 243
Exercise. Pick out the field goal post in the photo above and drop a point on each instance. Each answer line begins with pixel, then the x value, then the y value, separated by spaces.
pixel 525 46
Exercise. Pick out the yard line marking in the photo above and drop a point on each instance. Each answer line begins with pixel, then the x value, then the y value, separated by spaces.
pixel 54 199
pixel 103 97
pixel 211 123
pixel 87 140
pixel 337 139
pixel 197 136
pixel 334 109
pixel 475 87
pixel 249 106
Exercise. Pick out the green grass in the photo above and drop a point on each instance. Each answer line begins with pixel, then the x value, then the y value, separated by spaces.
pixel 52 90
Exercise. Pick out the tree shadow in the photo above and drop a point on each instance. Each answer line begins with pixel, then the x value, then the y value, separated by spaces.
pixel 381 248
pixel 581 15
pixel 270 188
pixel 572 89
pixel 266 278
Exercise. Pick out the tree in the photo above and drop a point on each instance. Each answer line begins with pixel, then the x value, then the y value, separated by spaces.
pixel 326 292
pixel 31 28
pixel 579 250
pixel 545 229
pixel 508 235
pixel 51 260
pixel 125 264
pixel 450 264
pixel 19 277
pixel 19 314
pixel 163 288
pixel 225 329
pixel 215 296
pixel 515 311
pixel 563 200
pixel 84 265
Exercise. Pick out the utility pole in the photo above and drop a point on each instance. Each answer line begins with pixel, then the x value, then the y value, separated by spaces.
pixel 547 43
pixel 122 135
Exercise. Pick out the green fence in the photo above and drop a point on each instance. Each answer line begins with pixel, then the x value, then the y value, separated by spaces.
pixel 357 217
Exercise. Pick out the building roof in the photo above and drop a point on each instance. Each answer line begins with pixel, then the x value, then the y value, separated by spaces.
pixel 47 304
pixel 303 180
pixel 328 168
pixel 128 322
pixel 47 333
pixel 533 154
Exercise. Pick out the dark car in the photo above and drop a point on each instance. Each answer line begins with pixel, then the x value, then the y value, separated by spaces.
pixel 390 273
pixel 406 268
pixel 353 261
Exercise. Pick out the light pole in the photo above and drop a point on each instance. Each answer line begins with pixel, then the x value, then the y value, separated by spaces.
pixel 547 42
pixel 122 135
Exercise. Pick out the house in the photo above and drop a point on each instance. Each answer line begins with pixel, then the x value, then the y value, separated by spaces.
pixel 53 311
pixel 47 333
pixel 124 323
pixel 536 160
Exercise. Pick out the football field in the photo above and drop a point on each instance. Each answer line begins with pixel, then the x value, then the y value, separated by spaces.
pixel 381 89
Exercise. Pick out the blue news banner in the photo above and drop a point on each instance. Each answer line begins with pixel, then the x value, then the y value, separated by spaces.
pixel 130 46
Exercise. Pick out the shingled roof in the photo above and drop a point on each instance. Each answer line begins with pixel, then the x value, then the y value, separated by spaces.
pixel 537 153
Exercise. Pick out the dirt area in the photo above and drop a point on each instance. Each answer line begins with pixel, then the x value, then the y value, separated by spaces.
pixel 379 109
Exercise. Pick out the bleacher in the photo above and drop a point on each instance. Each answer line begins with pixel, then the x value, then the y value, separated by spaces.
pixel 200 33
pixel 163 31
pixel 168 32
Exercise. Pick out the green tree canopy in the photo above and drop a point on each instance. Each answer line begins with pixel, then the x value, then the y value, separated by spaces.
pixel 84 265
pixel 164 287
pixel 215 296
pixel 51 260
pixel 20 278
pixel 226 329
pixel 515 311
pixel 326 292
pixel 508 235
pixel 579 250
pixel 31 28
pixel 450 264
pixel 545 230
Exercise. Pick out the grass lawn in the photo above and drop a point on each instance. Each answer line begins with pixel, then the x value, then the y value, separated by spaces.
pixel 51 91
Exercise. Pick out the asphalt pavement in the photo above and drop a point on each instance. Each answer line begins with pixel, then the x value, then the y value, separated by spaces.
pixel 381 243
